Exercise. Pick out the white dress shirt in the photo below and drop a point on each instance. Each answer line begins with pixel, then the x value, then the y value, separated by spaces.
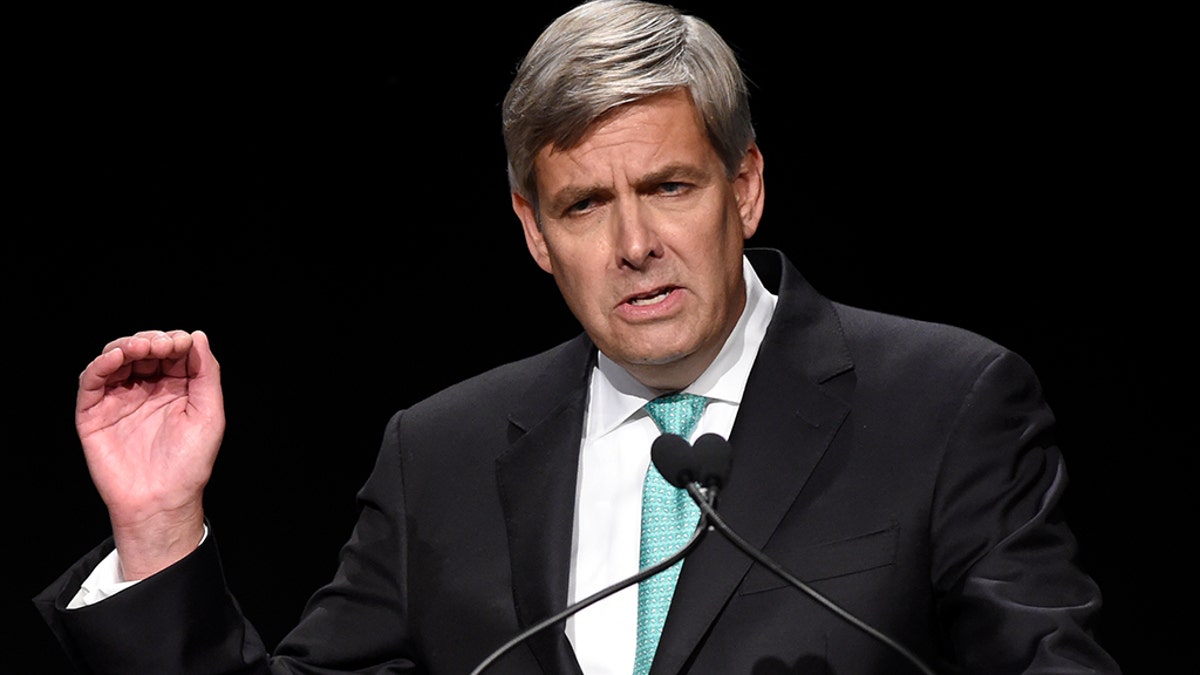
pixel 615 455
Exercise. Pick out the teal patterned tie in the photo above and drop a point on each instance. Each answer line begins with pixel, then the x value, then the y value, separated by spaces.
pixel 669 518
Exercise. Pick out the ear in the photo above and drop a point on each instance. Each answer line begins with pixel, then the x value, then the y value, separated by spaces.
pixel 749 191
pixel 533 232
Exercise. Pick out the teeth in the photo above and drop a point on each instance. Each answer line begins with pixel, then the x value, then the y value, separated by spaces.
pixel 649 300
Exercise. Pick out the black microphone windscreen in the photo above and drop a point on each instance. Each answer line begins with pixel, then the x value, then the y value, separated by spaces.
pixel 672 456
pixel 712 457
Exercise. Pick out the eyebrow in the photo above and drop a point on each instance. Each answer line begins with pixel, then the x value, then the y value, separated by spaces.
pixel 572 194
pixel 677 171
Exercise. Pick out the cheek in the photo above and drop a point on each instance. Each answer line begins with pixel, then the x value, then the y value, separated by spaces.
pixel 577 285
pixel 578 260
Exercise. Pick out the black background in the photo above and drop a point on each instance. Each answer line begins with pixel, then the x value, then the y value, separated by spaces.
pixel 324 194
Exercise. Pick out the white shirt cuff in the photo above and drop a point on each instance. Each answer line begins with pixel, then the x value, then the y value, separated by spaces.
pixel 106 580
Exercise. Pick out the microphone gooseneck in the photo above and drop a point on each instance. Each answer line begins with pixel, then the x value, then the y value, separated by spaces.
pixel 702 469
pixel 702 528
pixel 721 446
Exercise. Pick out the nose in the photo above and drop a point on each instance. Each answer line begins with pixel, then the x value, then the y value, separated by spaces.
pixel 636 236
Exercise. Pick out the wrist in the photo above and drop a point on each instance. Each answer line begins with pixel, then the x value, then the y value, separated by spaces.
pixel 148 546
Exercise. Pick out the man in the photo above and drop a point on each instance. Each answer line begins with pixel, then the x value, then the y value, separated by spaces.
pixel 904 470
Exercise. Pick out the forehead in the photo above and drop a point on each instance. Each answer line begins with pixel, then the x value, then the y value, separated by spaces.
pixel 636 139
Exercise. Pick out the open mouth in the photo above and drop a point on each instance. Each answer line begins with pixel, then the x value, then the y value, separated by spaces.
pixel 650 298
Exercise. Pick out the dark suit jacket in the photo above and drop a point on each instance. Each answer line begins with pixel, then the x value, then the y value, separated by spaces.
pixel 905 470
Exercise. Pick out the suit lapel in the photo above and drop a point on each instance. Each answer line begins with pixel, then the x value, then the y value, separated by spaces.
pixel 536 479
pixel 794 403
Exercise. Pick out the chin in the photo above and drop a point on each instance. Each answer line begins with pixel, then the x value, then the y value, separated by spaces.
pixel 657 358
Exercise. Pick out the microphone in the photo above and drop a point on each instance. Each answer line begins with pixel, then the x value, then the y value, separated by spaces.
pixel 707 462
pixel 672 449
pixel 713 457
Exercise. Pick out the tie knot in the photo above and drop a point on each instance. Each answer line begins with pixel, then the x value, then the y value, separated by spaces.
pixel 677 413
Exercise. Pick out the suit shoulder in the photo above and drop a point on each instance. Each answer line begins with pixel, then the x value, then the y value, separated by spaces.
pixel 563 366
pixel 896 343
pixel 866 324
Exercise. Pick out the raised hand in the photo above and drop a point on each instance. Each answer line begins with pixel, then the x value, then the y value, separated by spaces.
pixel 150 416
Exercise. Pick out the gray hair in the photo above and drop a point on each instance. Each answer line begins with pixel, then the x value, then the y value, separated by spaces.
pixel 607 53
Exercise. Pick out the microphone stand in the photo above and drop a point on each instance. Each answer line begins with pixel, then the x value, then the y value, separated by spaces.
pixel 710 514
pixel 709 459
pixel 702 528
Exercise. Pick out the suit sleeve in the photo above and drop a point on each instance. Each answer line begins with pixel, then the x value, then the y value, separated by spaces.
pixel 185 620
pixel 1011 595
pixel 360 622
pixel 181 620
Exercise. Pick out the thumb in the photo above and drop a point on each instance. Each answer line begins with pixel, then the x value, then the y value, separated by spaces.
pixel 204 373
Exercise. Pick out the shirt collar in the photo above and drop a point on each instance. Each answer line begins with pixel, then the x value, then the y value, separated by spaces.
pixel 615 395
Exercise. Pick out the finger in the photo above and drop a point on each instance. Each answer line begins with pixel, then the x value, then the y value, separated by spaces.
pixel 141 349
pixel 95 377
pixel 175 348
pixel 142 342
pixel 147 350
pixel 134 346
pixel 170 345
pixel 146 368
pixel 138 355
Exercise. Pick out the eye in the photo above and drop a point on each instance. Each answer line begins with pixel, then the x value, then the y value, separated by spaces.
pixel 585 204
pixel 580 206
pixel 672 187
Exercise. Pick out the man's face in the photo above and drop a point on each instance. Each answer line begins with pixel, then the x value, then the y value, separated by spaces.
pixel 643 232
